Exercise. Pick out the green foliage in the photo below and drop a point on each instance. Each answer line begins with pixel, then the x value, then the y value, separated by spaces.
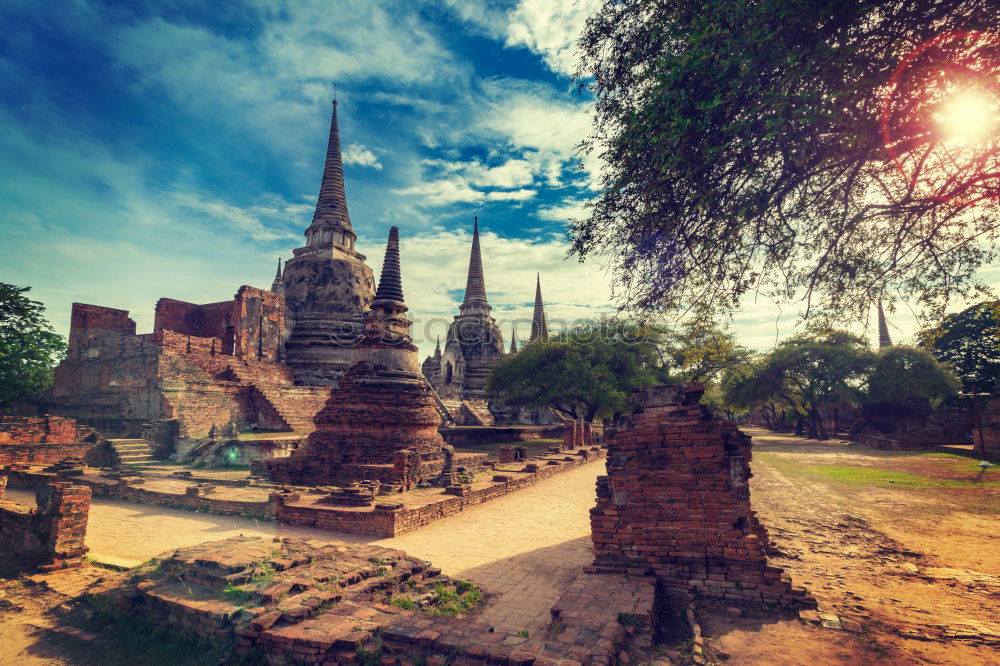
pixel 29 348
pixel 969 341
pixel 743 152
pixel 236 594
pixel 805 373
pixel 701 350
pixel 904 375
pixel 403 602
pixel 453 601
pixel 523 633
pixel 584 373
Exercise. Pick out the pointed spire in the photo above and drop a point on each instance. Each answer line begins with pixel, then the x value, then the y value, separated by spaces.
pixel 331 206
pixel 390 284
pixel 513 339
pixel 475 285
pixel 437 348
pixel 278 286
pixel 539 327
pixel 883 328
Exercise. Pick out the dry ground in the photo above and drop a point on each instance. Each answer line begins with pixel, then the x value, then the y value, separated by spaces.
pixel 904 545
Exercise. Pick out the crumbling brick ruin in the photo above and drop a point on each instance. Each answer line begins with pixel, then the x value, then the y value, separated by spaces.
pixel 203 366
pixel 50 536
pixel 676 503
pixel 44 440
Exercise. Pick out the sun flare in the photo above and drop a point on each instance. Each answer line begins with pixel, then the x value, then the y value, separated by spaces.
pixel 968 115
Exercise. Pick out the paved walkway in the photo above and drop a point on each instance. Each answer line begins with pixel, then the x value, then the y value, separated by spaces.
pixel 521 549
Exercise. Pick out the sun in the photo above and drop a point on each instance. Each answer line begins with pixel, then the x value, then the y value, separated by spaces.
pixel 968 115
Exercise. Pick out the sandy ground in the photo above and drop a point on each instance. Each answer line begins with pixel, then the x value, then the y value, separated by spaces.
pixel 918 568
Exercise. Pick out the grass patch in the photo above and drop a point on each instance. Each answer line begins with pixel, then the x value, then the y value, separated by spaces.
pixel 404 603
pixel 880 477
pixel 449 601
pixel 235 594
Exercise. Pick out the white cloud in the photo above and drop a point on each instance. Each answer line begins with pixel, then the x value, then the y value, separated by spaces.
pixel 568 209
pixel 551 29
pixel 455 189
pixel 250 220
pixel 355 153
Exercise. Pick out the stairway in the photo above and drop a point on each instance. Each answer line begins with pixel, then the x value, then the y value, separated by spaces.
pixel 295 405
pixel 477 412
pixel 447 418
pixel 133 451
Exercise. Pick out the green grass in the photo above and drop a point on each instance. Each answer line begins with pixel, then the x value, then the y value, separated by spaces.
pixel 881 477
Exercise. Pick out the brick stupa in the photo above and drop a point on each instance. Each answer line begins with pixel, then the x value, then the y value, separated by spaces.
pixel 381 422
pixel 676 503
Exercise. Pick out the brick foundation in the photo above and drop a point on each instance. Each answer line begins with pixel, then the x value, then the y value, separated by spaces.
pixel 676 503
pixel 50 536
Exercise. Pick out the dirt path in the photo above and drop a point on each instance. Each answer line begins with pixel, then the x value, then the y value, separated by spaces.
pixel 898 564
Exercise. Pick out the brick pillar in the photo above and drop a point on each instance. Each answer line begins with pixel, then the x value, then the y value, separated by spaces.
pixel 3 484
pixel 676 474
pixel 569 434
pixel 588 437
pixel 62 516
pixel 578 434
pixel 506 454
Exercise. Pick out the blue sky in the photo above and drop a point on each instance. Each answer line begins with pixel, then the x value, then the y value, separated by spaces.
pixel 174 148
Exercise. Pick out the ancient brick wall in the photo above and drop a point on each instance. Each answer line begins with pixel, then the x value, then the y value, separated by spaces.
pixel 260 324
pixel 29 430
pixel 676 503
pixel 212 320
pixel 52 535
pixel 93 323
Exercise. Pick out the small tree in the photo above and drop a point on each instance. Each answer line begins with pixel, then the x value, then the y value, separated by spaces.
pixel 29 348
pixel 908 375
pixel 584 373
pixel 969 342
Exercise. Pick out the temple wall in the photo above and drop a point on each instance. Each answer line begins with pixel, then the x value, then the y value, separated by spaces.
pixel 93 323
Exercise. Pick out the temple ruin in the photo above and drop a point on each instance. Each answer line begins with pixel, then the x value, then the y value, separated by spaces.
pixel 381 422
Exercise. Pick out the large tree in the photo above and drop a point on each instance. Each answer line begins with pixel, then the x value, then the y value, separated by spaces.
pixel 809 373
pixel 584 373
pixel 821 149
pixel 969 341
pixel 29 348
pixel 905 375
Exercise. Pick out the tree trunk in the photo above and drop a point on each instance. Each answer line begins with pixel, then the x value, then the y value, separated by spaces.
pixel 817 428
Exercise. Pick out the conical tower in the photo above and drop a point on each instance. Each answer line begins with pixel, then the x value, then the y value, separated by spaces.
pixel 513 340
pixel 331 221
pixel 883 329
pixel 437 348
pixel 474 343
pixel 539 326
pixel 475 301
pixel 328 287
pixel 278 286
